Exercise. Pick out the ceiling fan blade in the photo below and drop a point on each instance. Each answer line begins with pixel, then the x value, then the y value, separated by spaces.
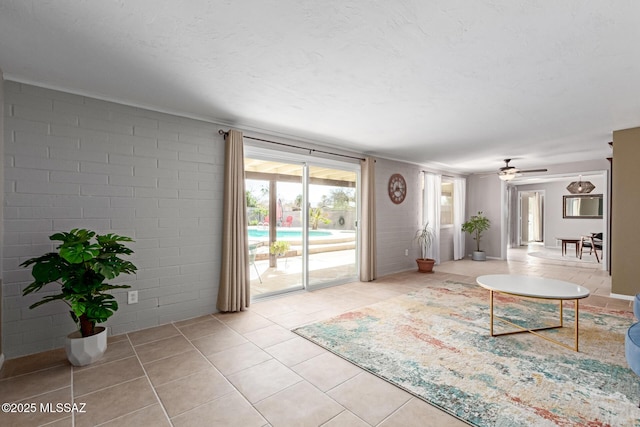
pixel 534 170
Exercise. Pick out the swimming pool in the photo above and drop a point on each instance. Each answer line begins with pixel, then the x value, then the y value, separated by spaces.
pixel 286 234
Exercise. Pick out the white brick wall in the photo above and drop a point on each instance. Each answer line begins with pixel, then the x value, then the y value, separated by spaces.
pixel 72 161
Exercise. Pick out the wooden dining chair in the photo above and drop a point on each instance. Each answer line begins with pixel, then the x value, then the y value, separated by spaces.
pixel 593 242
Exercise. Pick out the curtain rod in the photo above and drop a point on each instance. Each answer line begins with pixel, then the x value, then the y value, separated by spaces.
pixel 311 150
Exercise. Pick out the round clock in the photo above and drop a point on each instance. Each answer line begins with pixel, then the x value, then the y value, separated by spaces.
pixel 397 188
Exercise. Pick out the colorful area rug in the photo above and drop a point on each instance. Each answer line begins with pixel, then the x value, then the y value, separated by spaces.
pixel 435 344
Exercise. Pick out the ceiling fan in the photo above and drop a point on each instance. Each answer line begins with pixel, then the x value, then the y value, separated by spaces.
pixel 507 172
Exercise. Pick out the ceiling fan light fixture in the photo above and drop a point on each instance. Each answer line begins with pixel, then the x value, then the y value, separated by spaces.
pixel 507 176
pixel 508 172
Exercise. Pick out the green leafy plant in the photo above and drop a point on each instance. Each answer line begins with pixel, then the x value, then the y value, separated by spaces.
pixel 475 226
pixel 279 247
pixel 425 237
pixel 80 267
pixel 316 216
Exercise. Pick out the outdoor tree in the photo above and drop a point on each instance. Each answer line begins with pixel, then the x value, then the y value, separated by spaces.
pixel 341 198
pixel 317 216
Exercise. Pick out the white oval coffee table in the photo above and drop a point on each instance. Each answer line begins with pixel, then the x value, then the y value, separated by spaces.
pixel 534 287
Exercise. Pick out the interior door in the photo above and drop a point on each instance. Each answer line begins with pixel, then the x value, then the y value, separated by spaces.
pixel 531 208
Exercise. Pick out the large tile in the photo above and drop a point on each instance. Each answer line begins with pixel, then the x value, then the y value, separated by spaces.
pixel 113 402
pixel 37 416
pixel 106 375
pixel 171 368
pixel 117 338
pixel 295 350
pixel 299 405
pixel 206 327
pixel 229 410
pixel 14 389
pixel 296 318
pixel 326 370
pixel 238 358
pixel 194 390
pixel 417 413
pixel 369 397
pixel 271 307
pixel 34 362
pixel 152 334
pixel 249 322
pixel 219 341
pixel 263 380
pixel 269 336
pixel 160 349
pixel 182 323
pixel 347 419
pixel 64 422
pixel 151 415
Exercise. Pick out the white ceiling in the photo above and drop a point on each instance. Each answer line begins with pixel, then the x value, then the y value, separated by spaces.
pixel 455 84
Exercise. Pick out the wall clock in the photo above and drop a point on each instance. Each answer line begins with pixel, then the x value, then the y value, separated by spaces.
pixel 397 188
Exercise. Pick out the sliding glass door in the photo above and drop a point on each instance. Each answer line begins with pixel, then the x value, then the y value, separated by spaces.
pixel 302 221
pixel 275 227
pixel 333 218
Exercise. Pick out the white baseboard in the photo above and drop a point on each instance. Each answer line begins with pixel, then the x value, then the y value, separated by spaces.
pixel 625 297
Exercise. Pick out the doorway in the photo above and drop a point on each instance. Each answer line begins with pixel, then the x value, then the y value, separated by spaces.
pixel 302 223
pixel 531 217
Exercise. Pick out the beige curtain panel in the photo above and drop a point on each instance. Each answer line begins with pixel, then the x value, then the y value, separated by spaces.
pixel 368 267
pixel 234 292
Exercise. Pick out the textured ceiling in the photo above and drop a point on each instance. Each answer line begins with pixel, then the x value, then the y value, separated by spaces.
pixel 448 83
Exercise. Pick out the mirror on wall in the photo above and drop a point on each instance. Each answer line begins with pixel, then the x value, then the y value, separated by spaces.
pixel 582 206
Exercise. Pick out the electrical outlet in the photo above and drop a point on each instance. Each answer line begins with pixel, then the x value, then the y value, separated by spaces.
pixel 406 252
pixel 132 297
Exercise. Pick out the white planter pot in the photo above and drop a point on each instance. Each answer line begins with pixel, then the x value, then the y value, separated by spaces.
pixel 479 256
pixel 83 351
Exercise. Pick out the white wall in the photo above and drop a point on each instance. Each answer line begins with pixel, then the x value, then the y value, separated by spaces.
pixel 554 224
pixel 397 224
pixel 73 161
pixel 484 193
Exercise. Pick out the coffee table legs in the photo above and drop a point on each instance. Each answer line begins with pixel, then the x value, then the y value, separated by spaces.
pixel 534 330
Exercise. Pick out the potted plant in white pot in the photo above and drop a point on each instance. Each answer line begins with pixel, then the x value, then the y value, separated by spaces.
pixel 81 265
pixel 425 237
pixel 475 226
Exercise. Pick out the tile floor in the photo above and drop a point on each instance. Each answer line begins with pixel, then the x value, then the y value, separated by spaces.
pixel 247 369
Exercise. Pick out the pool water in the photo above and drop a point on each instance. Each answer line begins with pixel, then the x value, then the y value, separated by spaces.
pixel 287 234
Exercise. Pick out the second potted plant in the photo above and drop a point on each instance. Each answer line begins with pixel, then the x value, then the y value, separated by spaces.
pixel 80 266
pixel 425 237
pixel 475 226
pixel 279 248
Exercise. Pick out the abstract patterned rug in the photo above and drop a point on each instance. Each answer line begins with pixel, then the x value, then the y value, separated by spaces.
pixel 435 344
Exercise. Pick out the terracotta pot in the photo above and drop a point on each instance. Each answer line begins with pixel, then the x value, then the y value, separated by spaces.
pixel 425 265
